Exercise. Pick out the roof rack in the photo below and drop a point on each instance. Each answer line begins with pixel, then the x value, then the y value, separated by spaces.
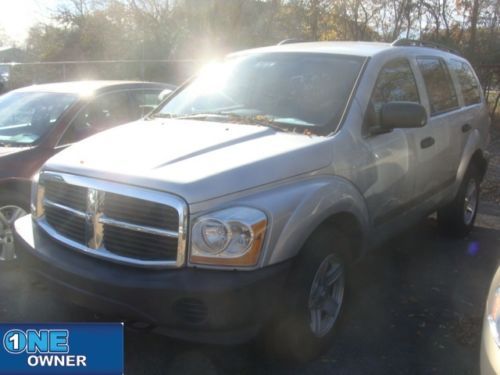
pixel 421 43
pixel 290 41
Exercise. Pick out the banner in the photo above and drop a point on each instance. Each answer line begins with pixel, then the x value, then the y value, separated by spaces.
pixel 71 348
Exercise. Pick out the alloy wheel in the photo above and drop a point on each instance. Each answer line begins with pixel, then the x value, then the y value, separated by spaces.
pixel 8 216
pixel 326 295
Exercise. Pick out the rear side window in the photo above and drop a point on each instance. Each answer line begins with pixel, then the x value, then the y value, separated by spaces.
pixel 442 95
pixel 102 113
pixel 468 82
pixel 143 102
pixel 395 83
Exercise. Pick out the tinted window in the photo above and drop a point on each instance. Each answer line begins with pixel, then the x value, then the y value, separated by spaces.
pixel 442 95
pixel 395 83
pixel 291 90
pixel 143 102
pixel 26 116
pixel 468 82
pixel 104 112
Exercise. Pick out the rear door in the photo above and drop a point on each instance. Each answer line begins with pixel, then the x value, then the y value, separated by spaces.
pixel 438 142
pixel 469 93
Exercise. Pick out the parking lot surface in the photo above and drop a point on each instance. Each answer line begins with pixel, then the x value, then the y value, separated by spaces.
pixel 415 307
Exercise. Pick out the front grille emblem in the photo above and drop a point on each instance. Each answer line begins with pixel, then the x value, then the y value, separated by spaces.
pixel 93 226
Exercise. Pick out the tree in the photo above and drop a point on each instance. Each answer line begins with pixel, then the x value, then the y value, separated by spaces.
pixel 4 38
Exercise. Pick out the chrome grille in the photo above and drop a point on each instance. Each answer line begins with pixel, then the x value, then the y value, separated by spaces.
pixel 68 225
pixel 140 212
pixel 114 221
pixel 69 195
pixel 139 245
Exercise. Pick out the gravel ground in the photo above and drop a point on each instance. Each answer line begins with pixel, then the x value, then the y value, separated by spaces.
pixel 415 307
pixel 491 185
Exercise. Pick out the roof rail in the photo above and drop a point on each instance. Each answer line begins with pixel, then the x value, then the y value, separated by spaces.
pixel 421 43
pixel 290 41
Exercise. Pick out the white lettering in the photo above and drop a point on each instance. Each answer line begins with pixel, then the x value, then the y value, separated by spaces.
pixel 45 360
pixel 81 360
pixel 32 360
pixel 70 361
pixel 57 360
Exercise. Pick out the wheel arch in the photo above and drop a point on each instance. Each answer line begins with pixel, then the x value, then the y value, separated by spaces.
pixel 480 161
pixel 473 154
pixel 16 186
pixel 349 226
pixel 331 202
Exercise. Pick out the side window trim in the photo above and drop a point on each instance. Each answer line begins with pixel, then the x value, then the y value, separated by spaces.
pixel 448 72
pixel 459 85
pixel 387 63
pixel 84 107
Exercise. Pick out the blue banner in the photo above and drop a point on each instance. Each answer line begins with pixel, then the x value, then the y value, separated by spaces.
pixel 71 348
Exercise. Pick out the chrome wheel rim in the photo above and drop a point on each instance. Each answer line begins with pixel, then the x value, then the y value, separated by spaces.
pixel 8 216
pixel 470 202
pixel 326 296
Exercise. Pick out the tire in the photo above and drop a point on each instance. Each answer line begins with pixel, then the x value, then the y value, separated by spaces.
pixel 13 205
pixel 292 335
pixel 457 219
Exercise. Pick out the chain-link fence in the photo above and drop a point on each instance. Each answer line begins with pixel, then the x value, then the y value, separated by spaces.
pixel 15 75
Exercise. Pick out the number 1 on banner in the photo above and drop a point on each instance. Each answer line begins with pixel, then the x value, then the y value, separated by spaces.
pixel 14 339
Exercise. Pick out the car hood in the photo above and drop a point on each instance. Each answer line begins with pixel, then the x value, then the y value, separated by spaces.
pixel 197 160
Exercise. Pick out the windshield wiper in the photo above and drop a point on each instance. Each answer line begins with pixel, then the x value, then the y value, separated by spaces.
pixel 236 119
pixel 159 115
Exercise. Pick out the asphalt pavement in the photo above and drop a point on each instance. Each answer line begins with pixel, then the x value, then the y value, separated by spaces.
pixel 415 306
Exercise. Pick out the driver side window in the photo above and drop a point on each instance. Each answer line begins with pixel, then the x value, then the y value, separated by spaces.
pixel 102 113
pixel 395 83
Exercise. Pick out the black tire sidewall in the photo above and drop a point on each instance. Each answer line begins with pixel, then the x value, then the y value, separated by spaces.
pixel 292 338
pixel 451 218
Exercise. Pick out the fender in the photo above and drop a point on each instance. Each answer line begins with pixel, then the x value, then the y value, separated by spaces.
pixel 472 145
pixel 296 209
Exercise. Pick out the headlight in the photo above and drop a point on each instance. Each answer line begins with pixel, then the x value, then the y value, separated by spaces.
pixel 494 316
pixel 231 237
pixel 36 197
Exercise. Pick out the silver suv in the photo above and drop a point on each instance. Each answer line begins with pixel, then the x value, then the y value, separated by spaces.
pixel 235 208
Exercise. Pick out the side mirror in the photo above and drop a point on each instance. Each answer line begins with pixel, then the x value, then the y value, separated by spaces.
pixel 395 115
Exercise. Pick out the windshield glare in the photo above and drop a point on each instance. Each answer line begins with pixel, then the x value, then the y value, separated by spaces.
pixel 292 89
pixel 26 116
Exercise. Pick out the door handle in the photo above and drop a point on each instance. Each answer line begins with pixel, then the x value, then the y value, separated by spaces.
pixel 466 128
pixel 427 142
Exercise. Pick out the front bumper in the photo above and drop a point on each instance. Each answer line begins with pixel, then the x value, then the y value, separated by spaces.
pixel 187 303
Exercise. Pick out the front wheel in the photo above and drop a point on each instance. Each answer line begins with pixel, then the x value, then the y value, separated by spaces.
pixel 12 207
pixel 457 219
pixel 316 290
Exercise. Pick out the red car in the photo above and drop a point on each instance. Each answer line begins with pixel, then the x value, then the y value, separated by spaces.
pixel 38 121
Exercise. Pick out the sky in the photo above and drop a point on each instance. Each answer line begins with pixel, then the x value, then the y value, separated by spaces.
pixel 16 16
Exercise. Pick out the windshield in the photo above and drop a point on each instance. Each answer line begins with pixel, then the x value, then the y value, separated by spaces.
pixel 26 116
pixel 292 90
